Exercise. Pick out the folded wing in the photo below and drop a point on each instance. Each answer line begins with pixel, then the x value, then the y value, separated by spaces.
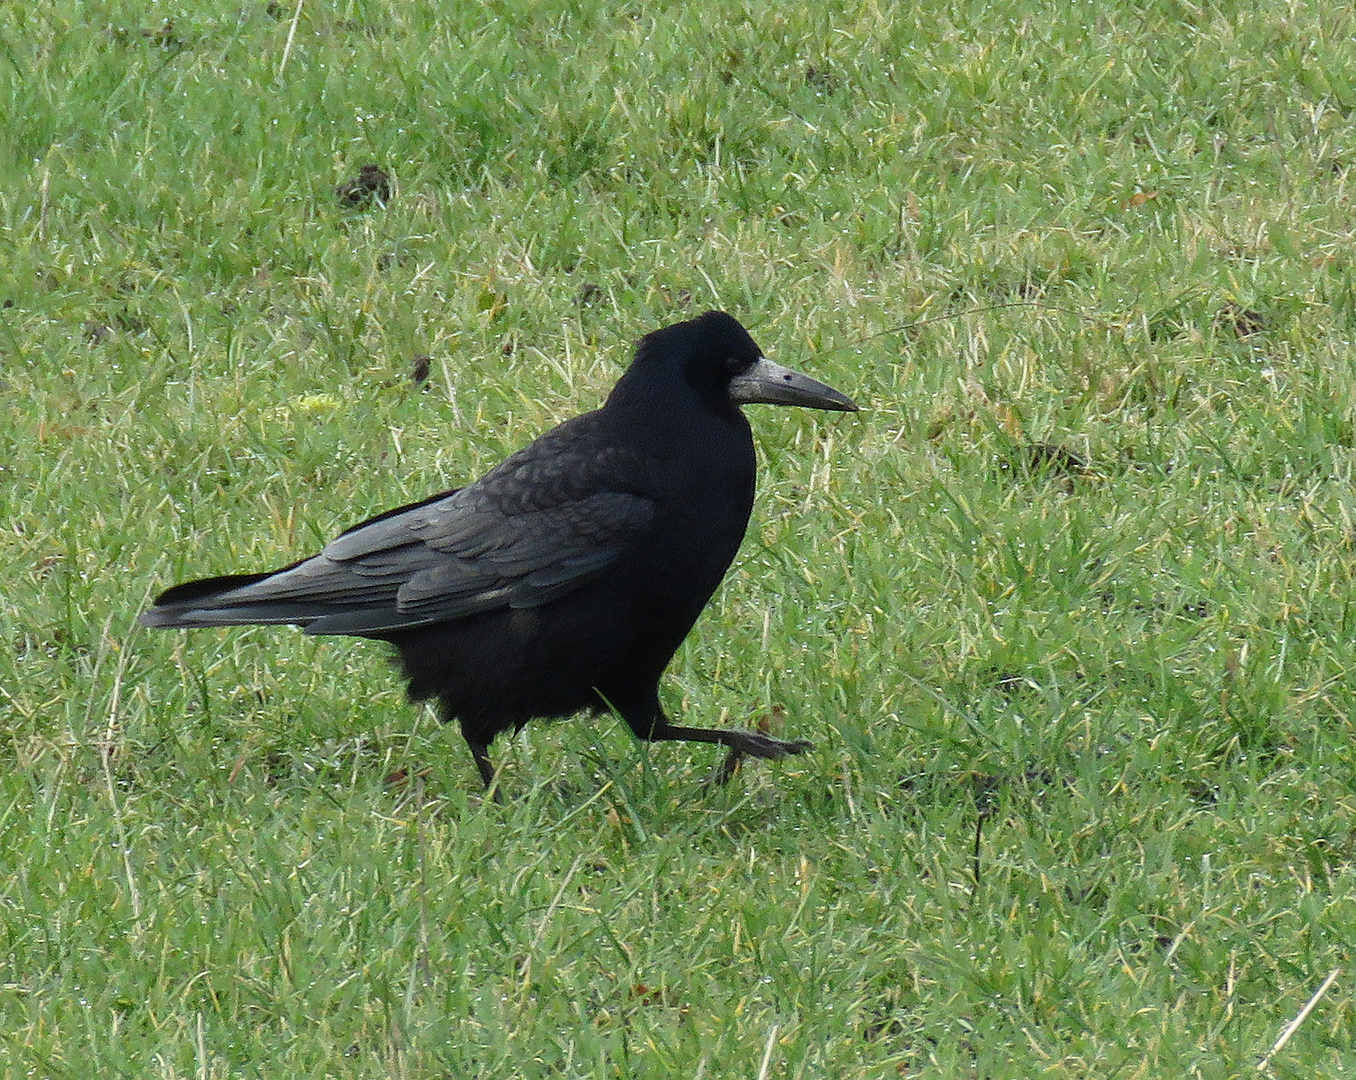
pixel 543 523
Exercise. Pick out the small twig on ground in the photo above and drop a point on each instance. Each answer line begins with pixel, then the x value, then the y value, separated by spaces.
pixel 767 1052
pixel 1294 1024
pixel 291 36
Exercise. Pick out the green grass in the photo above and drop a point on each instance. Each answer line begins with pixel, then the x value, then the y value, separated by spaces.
pixel 1121 231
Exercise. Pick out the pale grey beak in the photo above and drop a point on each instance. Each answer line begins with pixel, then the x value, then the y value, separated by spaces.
pixel 767 383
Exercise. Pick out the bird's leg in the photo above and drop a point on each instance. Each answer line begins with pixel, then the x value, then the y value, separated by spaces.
pixel 752 743
pixel 647 720
pixel 481 752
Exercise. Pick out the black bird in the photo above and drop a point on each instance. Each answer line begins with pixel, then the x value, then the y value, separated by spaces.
pixel 566 577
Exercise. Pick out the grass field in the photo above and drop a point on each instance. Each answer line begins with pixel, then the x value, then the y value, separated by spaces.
pixel 1068 610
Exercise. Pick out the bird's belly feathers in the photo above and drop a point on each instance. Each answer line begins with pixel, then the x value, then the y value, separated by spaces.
pixel 498 669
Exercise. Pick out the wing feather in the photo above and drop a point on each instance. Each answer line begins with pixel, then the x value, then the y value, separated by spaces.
pixel 541 524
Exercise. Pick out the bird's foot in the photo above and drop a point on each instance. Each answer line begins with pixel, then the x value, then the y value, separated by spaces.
pixel 756 744
pixel 728 768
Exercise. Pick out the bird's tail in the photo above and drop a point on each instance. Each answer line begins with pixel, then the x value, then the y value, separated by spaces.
pixel 223 601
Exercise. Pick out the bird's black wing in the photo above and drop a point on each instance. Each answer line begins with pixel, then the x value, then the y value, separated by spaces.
pixel 541 524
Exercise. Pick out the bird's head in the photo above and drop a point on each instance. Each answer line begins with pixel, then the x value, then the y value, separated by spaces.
pixel 715 356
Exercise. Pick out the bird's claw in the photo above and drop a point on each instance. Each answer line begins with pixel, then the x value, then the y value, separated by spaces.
pixel 756 744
